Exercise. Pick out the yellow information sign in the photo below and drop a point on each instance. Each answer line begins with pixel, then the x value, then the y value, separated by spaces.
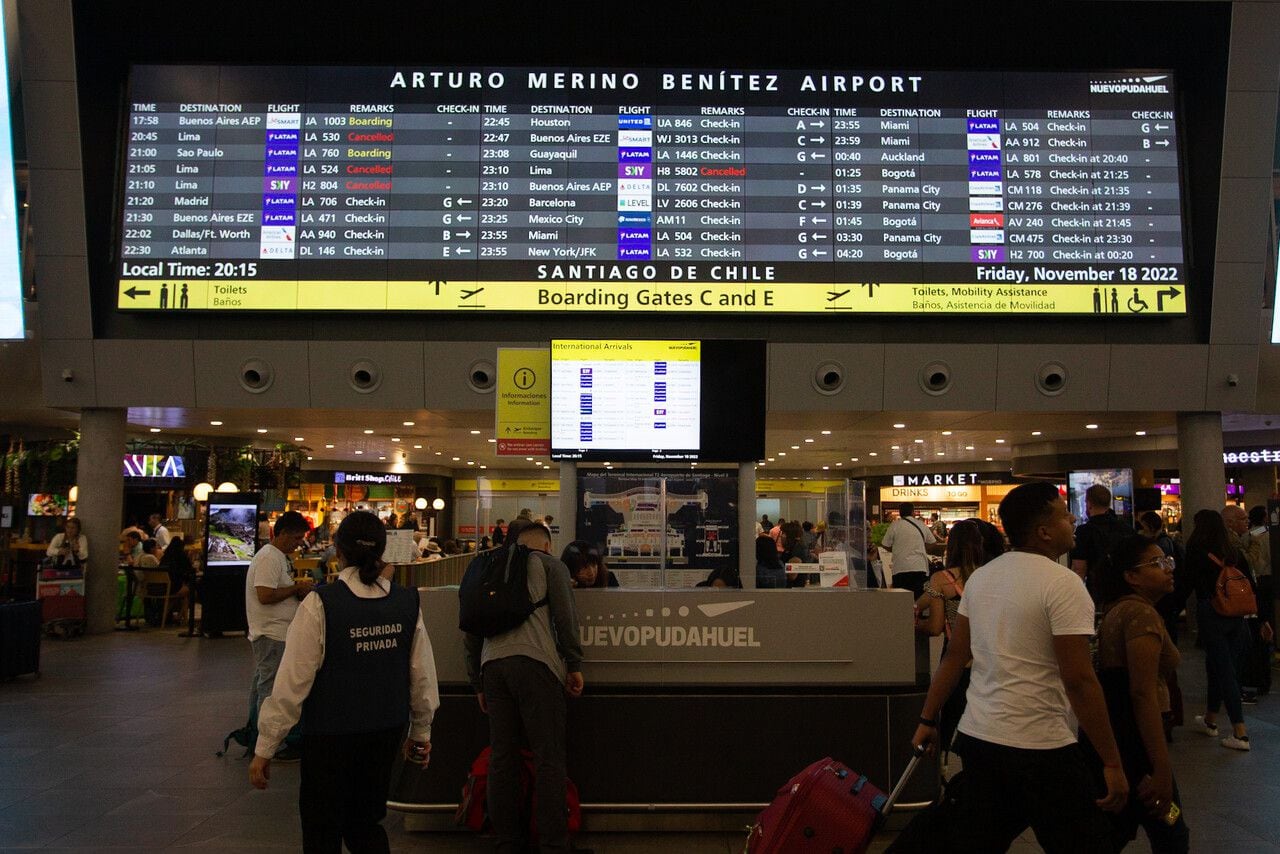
pixel 1114 293
pixel 816 486
pixel 523 406
pixel 515 485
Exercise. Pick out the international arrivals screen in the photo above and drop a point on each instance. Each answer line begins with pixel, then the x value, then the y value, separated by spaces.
pixel 651 190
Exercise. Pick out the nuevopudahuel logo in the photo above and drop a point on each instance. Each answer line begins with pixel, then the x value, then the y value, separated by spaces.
pixel 649 634
pixel 1131 86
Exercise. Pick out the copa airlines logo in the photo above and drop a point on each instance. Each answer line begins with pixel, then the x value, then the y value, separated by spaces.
pixel 1131 86
pixel 648 634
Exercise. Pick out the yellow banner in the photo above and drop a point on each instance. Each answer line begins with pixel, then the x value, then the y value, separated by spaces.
pixel 490 485
pixel 931 493
pixel 523 405
pixel 763 486
pixel 627 351
pixel 1110 296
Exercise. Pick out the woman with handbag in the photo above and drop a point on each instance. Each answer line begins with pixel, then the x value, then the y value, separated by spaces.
pixel 937 607
pixel 1136 658
pixel 1217 570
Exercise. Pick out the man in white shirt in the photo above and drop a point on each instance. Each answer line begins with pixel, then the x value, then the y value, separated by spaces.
pixel 271 599
pixel 159 532
pixel 1025 621
pixel 907 539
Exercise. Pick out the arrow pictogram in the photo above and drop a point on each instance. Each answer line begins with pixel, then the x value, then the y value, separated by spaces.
pixel 1171 293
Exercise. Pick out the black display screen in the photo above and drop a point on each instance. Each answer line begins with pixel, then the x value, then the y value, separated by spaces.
pixel 928 193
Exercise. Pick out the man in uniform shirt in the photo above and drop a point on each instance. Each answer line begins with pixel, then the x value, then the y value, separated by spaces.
pixel 271 599
pixel 159 532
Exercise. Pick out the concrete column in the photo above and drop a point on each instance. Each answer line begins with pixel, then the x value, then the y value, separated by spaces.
pixel 568 504
pixel 747 524
pixel 1204 485
pixel 100 477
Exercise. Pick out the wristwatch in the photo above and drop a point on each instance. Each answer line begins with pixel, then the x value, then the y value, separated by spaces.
pixel 929 723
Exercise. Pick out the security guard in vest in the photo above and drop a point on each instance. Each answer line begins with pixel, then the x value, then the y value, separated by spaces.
pixel 358 660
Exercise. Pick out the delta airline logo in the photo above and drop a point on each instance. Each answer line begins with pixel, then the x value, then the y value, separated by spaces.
pixel 1131 86
pixel 607 631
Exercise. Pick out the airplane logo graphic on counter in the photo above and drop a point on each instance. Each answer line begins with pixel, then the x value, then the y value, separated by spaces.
pixel 663 635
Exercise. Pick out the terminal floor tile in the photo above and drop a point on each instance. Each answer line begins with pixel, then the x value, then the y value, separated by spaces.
pixel 112 749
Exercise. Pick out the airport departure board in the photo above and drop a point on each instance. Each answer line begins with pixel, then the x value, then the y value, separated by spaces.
pixel 648 190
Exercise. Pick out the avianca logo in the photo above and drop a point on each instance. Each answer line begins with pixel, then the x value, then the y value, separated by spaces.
pixel 1131 86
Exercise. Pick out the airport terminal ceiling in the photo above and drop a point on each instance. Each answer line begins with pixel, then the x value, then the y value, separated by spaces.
pixel 888 38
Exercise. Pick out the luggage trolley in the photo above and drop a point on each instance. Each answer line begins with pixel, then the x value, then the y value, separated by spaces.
pixel 60 590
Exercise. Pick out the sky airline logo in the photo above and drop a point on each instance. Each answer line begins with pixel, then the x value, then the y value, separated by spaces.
pixel 1131 86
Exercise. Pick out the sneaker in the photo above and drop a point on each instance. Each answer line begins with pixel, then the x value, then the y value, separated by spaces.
pixel 1236 742
pixel 1249 698
pixel 1209 729
pixel 288 754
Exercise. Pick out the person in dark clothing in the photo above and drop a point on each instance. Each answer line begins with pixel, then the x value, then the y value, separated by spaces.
pixel 586 565
pixel 1101 532
pixel 499 533
pixel 1226 639
pixel 357 659
pixel 181 573
pixel 769 571
pixel 1151 527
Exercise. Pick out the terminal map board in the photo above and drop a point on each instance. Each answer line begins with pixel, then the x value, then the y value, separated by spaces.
pixel 926 193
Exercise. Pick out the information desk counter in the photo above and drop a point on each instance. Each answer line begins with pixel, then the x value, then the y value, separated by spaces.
pixel 700 702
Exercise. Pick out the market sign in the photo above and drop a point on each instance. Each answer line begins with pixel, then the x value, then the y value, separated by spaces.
pixel 154 465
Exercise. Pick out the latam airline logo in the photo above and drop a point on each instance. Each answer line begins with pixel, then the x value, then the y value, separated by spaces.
pixel 660 634
pixel 1131 86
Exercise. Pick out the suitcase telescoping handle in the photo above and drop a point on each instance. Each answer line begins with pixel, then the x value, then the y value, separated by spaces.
pixel 917 753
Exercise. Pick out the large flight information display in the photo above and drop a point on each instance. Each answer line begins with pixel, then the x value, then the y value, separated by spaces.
pixel 651 190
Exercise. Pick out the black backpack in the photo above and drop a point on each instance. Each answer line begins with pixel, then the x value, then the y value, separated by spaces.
pixel 494 594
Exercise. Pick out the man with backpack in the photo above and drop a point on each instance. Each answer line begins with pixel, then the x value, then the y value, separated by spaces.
pixel 1097 536
pixel 523 656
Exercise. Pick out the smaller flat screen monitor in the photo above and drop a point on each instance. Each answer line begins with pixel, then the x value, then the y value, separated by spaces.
pixel 231 530
pixel 676 401
pixel 1118 481
pixel 46 504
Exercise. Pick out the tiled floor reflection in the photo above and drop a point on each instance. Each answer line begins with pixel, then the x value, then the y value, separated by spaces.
pixel 112 750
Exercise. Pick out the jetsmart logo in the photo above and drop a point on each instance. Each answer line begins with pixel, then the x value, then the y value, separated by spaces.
pixel 1131 86
pixel 646 634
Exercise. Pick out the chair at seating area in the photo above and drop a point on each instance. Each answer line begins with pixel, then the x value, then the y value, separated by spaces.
pixel 153 585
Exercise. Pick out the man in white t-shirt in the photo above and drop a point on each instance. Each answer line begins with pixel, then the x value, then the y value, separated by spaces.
pixel 907 539
pixel 271 597
pixel 1025 620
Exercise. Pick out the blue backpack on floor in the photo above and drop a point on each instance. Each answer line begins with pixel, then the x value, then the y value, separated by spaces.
pixel 247 735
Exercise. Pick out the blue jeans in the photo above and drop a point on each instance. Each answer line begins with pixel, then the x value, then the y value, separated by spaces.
pixel 1225 641
pixel 267 653
pixel 768 577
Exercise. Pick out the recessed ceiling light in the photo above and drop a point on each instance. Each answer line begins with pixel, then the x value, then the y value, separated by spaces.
pixel 782 453
pixel 438 453
pixel 826 432
pixel 419 447
pixel 810 441
pixel 873 454
pixel 155 429
pixel 359 452
pixel 762 464
pixel 940 453
pixel 492 441
pixel 395 438
pixel 308 459
pixel 946 432
pixel 526 459
pixel 999 441
pixel 839 464
pixel 968 447
pixel 989 459
pixel 918 441
pixel 1035 432
pixel 408 423
pixel 894 448
pixel 299 439
pixel 328 446
pixel 1091 426
pixel 826 468
pixel 475 432
pixel 772 459
pixel 484 467
pixel 916 459
pixel 382 458
pixel 368 432
pixel 795 447
pixel 215 423
pixel 457 459
pixel 899 426
pixel 1140 433
pixel 262 429
pixel 471 462
pixel 853 459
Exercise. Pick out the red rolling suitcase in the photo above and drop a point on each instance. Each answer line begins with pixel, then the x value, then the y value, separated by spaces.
pixel 825 808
